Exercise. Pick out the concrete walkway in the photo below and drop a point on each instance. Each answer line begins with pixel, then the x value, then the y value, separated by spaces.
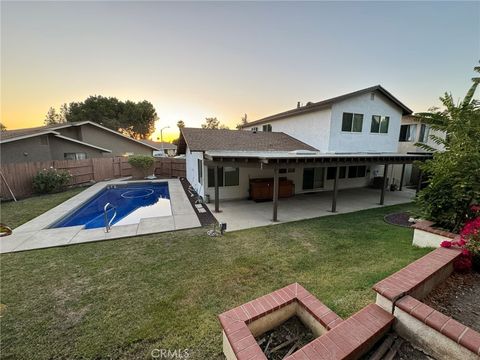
pixel 35 234
pixel 244 214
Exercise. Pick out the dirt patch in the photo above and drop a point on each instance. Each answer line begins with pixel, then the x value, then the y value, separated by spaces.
pixel 285 339
pixel 400 219
pixel 408 352
pixel 204 214
pixel 458 297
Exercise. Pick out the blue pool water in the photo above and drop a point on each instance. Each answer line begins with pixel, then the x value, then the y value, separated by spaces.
pixel 131 202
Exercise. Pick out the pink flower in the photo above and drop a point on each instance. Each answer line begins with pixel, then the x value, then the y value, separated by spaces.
pixel 446 244
pixel 461 242
pixel 465 252
pixel 475 207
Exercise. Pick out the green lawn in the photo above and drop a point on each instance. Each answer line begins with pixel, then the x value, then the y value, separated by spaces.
pixel 14 214
pixel 123 298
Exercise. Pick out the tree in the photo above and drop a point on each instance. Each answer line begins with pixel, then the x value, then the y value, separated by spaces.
pixel 180 124
pixel 454 173
pixel 53 117
pixel 213 123
pixel 243 121
pixel 133 119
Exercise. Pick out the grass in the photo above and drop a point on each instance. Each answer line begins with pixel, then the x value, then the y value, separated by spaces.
pixel 14 214
pixel 123 298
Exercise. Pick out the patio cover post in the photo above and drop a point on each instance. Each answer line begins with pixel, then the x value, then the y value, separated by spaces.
pixel 419 185
pixel 401 178
pixel 335 190
pixel 384 184
pixel 217 200
pixel 275 193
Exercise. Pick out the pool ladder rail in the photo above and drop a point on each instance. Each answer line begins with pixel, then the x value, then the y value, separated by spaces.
pixel 108 224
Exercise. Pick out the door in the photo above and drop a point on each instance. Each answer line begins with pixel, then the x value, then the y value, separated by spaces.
pixel 313 178
pixel 308 177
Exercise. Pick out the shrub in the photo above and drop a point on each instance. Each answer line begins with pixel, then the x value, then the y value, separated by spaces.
pixel 141 162
pixel 51 180
pixel 454 173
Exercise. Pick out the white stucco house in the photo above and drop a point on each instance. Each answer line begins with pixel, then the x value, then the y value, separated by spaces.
pixel 343 142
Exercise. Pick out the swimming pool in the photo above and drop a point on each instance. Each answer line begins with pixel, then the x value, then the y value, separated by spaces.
pixel 128 204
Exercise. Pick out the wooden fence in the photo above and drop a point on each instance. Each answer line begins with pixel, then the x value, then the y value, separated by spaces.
pixel 19 176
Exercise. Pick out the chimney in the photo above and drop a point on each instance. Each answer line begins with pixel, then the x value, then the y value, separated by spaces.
pixel 298 104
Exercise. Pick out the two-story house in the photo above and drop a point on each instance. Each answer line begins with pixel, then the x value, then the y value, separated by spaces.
pixel 347 141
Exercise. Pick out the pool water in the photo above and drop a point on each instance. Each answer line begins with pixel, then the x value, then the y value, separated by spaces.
pixel 131 202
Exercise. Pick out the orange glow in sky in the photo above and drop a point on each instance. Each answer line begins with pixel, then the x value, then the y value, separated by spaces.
pixel 194 60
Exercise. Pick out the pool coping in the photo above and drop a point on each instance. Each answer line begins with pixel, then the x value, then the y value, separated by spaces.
pixel 35 235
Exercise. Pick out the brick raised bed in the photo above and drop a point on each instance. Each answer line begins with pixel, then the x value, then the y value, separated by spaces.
pixel 426 235
pixel 336 339
pixel 439 335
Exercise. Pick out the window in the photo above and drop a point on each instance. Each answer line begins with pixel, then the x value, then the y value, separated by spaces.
pixel 379 124
pixel 357 171
pixel 284 171
pixel 267 128
pixel 255 129
pixel 211 176
pixel 228 176
pixel 424 133
pixel 352 122
pixel 74 156
pixel 200 170
pixel 231 176
pixel 407 133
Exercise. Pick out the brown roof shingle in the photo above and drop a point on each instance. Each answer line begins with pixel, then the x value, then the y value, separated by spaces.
pixel 238 140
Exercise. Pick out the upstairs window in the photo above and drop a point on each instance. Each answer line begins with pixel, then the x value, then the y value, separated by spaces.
pixel 407 133
pixel 267 128
pixel 379 124
pixel 424 133
pixel 352 122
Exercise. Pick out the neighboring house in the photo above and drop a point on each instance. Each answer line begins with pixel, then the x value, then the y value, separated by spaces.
pixel 367 120
pixel 67 141
pixel 348 141
pixel 162 149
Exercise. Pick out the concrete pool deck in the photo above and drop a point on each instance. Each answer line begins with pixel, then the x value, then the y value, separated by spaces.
pixel 245 214
pixel 35 235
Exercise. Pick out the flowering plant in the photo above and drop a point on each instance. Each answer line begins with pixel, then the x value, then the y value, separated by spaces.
pixel 469 242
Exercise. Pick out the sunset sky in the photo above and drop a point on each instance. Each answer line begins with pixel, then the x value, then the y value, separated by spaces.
pixel 197 60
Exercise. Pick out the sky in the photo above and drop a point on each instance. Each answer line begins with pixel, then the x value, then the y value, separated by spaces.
pixel 225 59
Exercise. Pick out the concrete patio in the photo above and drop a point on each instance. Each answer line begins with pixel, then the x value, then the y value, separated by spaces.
pixel 245 214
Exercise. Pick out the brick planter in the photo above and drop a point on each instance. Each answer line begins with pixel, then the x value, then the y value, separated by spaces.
pixel 425 235
pixel 436 333
pixel 336 339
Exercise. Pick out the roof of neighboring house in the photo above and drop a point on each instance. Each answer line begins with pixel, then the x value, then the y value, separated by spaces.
pixel 237 140
pixel 158 144
pixel 14 135
pixel 311 107
pixel 18 134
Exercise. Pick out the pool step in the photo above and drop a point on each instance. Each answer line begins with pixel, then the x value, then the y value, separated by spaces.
pixel 351 338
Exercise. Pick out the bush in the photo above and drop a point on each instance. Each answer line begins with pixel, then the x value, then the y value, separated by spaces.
pixel 51 180
pixel 454 173
pixel 141 162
